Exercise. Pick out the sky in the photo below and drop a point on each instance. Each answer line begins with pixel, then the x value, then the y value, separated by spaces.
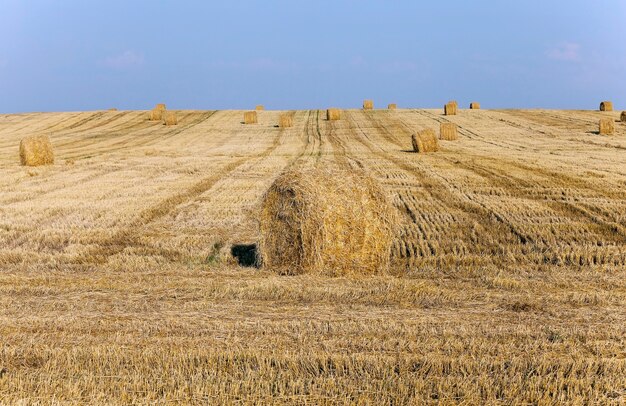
pixel 77 55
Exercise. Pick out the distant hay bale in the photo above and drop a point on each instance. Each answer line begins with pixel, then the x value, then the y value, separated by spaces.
pixel 113 109
pixel 36 150
pixel 156 114
pixel 333 114
pixel 607 126
pixel 474 106
pixel 169 118
pixel 160 106
pixel 368 104
pixel 259 107
pixel 285 120
pixel 450 109
pixel 250 117
pixel 622 117
pixel 606 106
pixel 425 141
pixel 326 221
pixel 448 132
pixel 392 106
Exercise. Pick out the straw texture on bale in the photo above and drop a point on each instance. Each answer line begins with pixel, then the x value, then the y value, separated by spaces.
pixel 36 150
pixel 392 106
pixel 156 114
pixel 425 141
pixel 169 118
pixel 285 120
pixel 607 126
pixel 450 109
pixel 333 114
pixel 448 131
pixel 622 117
pixel 326 221
pixel 259 107
pixel 368 104
pixel 474 106
pixel 606 106
pixel 250 117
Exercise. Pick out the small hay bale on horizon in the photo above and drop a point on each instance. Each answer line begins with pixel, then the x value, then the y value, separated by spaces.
pixel 606 126
pixel 450 109
pixel 448 132
pixel 160 106
pixel 425 141
pixel 326 221
pixel 250 117
pixel 112 109
pixel 285 120
pixel 606 106
pixel 368 104
pixel 392 106
pixel 36 150
pixel 259 107
pixel 333 114
pixel 170 118
pixel 156 114
pixel 474 106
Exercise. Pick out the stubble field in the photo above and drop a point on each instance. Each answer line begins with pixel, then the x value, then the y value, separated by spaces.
pixel 118 282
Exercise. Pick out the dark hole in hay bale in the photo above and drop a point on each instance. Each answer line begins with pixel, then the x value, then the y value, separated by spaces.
pixel 425 141
pixel 245 254
pixel 36 150
pixel 326 221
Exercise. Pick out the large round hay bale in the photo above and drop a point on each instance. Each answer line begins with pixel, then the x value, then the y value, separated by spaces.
pixel 474 106
pixel 250 117
pixel 368 104
pixel 326 221
pixel 606 106
pixel 622 117
pixel 392 106
pixel 156 114
pixel 36 150
pixel 285 120
pixel 333 114
pixel 170 118
pixel 259 107
pixel 425 141
pixel 607 126
pixel 450 108
pixel 448 131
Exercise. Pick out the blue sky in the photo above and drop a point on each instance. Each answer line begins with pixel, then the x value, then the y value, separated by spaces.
pixel 68 55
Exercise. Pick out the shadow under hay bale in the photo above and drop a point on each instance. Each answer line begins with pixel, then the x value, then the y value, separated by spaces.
pixel 448 132
pixel 326 221
pixel 606 106
pixel 246 255
pixel 606 126
pixel 368 104
pixel 250 117
pixel 425 141
pixel 333 114
pixel 36 151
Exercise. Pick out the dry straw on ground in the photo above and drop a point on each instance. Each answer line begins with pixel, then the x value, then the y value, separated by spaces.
pixel 285 120
pixel 606 106
pixel 326 221
pixel 450 109
pixel 333 114
pixel 607 126
pixel 474 106
pixel 392 106
pixel 448 131
pixel 368 104
pixel 170 118
pixel 250 117
pixel 36 150
pixel 425 141
pixel 259 107
pixel 623 117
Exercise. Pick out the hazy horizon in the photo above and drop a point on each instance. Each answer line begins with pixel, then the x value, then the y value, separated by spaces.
pixel 72 56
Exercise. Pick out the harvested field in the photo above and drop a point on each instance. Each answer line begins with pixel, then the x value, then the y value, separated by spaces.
pixel 118 282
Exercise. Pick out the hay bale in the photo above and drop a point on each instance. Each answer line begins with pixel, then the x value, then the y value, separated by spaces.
pixel 333 114
pixel 36 150
pixel 606 106
pixel 474 106
pixel 607 126
pixel 448 131
pixel 368 104
pixel 285 120
pixel 259 107
pixel 169 118
pixel 156 114
pixel 113 109
pixel 326 221
pixel 425 141
pixel 250 117
pixel 450 109
pixel 160 106
pixel 622 117
pixel 392 106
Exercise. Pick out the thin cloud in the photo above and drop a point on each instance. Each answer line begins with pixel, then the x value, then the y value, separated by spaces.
pixel 125 60
pixel 568 51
